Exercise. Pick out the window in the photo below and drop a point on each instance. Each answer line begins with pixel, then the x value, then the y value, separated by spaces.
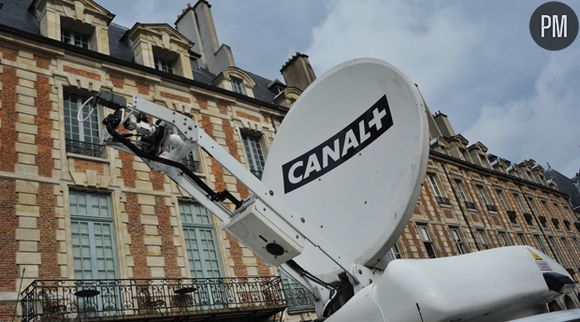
pixel 482 160
pixel 522 239
pixel 163 65
pixel 485 199
pixel 519 203
pixel 394 252
pixel 238 85
pixel 567 247
pixel 463 154
pixel 468 203
pixel 200 241
pixel 559 210
pixel 568 225
pixel 482 239
pixel 546 208
pixel 543 221
pixel 456 235
pixel 532 205
pixel 557 253
pixel 556 223
pixel 437 191
pixel 194 63
pixel 529 219
pixel 426 239
pixel 192 161
pixel 434 184
pixel 93 240
pixel 74 38
pixel 503 239
pixel 254 153
pixel 503 200
pixel 539 243
pixel 298 297
pixel 513 217
pixel 81 137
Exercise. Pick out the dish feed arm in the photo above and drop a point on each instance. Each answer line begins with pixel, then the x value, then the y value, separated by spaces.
pixel 263 222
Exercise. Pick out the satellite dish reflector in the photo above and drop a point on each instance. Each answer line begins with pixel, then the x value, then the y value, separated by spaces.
pixel 350 158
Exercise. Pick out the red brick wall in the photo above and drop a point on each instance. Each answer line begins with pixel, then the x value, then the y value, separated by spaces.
pixel 137 232
pixel 118 82
pixel 83 165
pixel 81 72
pixel 175 97
pixel 7 311
pixel 48 246
pixel 157 179
pixel 166 233
pixel 127 170
pixel 44 159
pixel 142 88
pixel 8 119
pixel 8 243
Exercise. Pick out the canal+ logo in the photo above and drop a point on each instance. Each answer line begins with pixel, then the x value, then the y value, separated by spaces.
pixel 554 25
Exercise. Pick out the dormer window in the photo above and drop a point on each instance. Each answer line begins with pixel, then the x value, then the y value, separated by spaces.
pixel 194 63
pixel 238 85
pixel 164 60
pixel 463 154
pixel 163 65
pixel 74 38
pixel 76 33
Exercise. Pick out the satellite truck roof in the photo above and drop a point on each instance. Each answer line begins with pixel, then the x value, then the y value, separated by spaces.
pixel 559 316
pixel 350 157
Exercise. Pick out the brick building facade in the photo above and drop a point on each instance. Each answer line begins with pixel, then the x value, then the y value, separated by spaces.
pixel 72 209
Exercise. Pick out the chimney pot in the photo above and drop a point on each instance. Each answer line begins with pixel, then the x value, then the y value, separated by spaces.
pixel 298 72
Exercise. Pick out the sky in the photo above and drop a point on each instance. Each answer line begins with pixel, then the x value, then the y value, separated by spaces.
pixel 475 61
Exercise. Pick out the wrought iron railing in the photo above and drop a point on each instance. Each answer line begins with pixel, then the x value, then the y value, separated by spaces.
pixel 298 297
pixel 85 148
pixel 119 298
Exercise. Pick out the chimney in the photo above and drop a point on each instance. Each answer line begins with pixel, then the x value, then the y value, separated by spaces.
pixel 297 71
pixel 196 23
pixel 443 124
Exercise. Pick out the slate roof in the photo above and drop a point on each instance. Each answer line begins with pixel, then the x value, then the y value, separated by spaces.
pixel 15 14
pixel 565 185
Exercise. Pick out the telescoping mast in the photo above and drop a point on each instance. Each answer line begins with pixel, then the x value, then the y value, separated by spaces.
pixel 340 183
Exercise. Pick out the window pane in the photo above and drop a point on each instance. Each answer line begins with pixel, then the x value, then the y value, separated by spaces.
pixel 254 154
pixel 200 241
pixel 92 236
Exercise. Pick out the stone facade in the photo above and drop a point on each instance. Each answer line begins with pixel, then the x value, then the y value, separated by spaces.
pixel 37 174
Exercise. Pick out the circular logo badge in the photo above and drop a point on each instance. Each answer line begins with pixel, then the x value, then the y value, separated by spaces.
pixel 554 25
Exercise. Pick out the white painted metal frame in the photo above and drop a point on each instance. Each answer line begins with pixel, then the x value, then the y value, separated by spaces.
pixel 276 210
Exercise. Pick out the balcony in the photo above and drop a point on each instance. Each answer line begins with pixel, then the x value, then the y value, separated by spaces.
pixel 470 205
pixel 197 299
pixel 85 148
pixel 443 200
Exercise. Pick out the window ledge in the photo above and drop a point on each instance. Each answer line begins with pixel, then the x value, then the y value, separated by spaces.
pixel 86 157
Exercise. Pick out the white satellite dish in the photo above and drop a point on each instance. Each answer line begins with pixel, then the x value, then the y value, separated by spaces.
pixel 350 158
